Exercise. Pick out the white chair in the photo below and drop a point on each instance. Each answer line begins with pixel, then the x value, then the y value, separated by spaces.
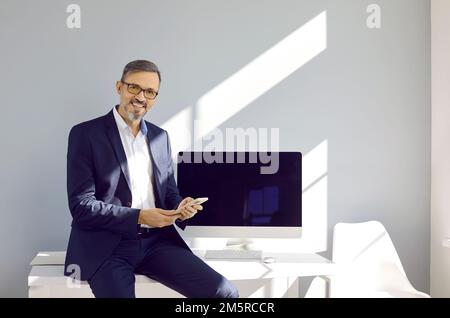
pixel 368 263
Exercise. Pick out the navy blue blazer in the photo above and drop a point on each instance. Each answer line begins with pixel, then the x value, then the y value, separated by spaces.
pixel 99 193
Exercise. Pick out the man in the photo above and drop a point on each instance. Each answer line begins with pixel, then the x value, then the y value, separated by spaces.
pixel 124 200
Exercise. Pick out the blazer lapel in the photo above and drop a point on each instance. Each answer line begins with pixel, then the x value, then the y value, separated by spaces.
pixel 152 147
pixel 113 135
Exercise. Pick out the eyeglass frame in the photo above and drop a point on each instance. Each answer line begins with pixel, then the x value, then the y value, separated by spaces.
pixel 141 90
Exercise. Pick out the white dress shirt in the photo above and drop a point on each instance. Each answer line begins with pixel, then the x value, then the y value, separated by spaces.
pixel 139 164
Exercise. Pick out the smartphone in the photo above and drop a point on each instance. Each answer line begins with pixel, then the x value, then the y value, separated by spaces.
pixel 197 201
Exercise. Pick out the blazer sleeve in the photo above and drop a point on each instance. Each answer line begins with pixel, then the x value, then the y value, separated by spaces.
pixel 173 198
pixel 86 210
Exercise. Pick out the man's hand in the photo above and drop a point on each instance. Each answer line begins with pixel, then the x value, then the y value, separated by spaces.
pixel 158 217
pixel 187 211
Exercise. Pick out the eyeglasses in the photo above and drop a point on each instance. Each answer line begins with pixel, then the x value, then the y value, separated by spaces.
pixel 136 89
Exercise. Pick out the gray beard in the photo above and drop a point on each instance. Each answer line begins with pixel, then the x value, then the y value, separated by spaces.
pixel 131 116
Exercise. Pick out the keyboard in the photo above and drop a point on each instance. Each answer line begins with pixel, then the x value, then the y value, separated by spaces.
pixel 233 254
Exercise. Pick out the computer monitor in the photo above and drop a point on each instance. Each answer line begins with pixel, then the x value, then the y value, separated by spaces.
pixel 251 194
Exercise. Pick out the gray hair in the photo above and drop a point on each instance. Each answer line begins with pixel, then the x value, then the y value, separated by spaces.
pixel 140 66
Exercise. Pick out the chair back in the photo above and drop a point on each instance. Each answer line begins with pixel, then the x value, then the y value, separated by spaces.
pixel 367 258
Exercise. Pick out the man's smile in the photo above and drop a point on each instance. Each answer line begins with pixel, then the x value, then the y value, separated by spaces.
pixel 137 104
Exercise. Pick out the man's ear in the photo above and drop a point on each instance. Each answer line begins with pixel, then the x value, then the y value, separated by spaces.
pixel 118 86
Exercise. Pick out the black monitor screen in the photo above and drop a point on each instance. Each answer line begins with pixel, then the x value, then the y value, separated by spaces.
pixel 239 193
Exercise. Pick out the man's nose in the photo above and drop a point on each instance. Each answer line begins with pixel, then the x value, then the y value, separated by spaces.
pixel 140 96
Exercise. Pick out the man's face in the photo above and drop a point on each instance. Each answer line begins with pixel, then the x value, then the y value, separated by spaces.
pixel 135 106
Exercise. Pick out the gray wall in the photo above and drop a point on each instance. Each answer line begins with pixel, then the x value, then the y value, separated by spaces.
pixel 368 94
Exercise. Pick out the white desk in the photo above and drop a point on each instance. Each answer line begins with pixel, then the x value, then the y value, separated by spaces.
pixel 252 278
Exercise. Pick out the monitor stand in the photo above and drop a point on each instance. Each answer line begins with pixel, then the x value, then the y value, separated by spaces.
pixel 241 244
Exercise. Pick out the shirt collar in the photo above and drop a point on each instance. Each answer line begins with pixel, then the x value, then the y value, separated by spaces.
pixel 123 125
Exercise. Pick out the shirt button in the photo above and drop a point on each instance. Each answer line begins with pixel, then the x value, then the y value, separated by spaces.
pixel 128 204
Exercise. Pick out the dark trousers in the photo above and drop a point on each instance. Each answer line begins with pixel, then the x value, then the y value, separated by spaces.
pixel 158 258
